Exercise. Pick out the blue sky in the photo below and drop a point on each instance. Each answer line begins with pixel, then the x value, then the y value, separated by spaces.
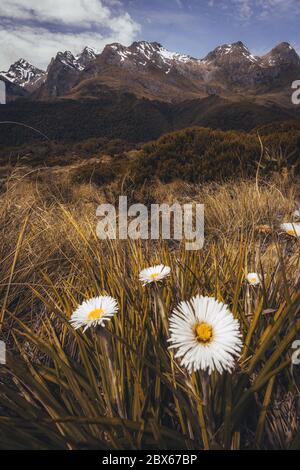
pixel 36 29
pixel 196 27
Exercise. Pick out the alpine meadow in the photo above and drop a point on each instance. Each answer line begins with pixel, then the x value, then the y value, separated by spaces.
pixel 137 343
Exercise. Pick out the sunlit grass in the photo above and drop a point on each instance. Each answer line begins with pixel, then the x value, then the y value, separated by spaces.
pixel 119 386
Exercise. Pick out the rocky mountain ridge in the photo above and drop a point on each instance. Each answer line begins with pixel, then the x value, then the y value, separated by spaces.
pixel 150 71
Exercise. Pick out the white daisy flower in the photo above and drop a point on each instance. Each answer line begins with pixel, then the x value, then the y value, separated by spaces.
pixel 154 274
pixel 292 229
pixel 94 312
pixel 253 279
pixel 206 335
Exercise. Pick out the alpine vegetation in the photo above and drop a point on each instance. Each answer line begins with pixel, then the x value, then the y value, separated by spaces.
pixel 123 343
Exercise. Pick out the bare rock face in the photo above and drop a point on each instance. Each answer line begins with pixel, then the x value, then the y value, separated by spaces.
pixel 25 75
pixel 85 57
pixel 282 55
pixel 64 72
pixel 148 70
pixel 233 65
pixel 235 54
pixel 142 57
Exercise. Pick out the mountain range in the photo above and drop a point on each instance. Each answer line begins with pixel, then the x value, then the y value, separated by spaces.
pixel 148 70
pixel 139 92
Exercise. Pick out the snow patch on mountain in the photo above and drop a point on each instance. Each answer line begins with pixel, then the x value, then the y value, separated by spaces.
pixel 237 50
pixel 23 73
pixel 79 61
pixel 145 53
pixel 85 57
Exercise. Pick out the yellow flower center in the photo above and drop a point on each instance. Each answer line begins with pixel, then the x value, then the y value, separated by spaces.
pixel 203 332
pixel 291 231
pixel 253 280
pixel 95 314
pixel 154 276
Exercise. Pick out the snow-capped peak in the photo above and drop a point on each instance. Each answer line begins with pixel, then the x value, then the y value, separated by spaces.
pixel 66 58
pixel 283 53
pixel 174 56
pixel 90 51
pixel 143 54
pixel 153 49
pixel 23 73
pixel 78 62
pixel 235 51
pixel 85 57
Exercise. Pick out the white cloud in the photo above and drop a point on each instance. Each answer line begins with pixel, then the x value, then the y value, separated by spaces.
pixel 69 12
pixel 245 8
pixel 269 7
pixel 259 9
pixel 27 32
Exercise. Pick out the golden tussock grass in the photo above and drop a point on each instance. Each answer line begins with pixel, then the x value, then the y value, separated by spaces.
pixel 121 388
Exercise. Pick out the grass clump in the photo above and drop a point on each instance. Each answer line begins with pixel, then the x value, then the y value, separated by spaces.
pixel 120 386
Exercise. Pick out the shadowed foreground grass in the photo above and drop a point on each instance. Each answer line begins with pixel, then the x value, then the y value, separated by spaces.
pixel 120 387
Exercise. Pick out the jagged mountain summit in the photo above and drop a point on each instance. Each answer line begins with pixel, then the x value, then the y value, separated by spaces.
pixel 27 76
pixel 85 57
pixel 63 73
pixel 148 70
pixel 78 62
pixel 143 54
pixel 283 54
pixel 239 69
pixel 24 74
pixel 231 53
